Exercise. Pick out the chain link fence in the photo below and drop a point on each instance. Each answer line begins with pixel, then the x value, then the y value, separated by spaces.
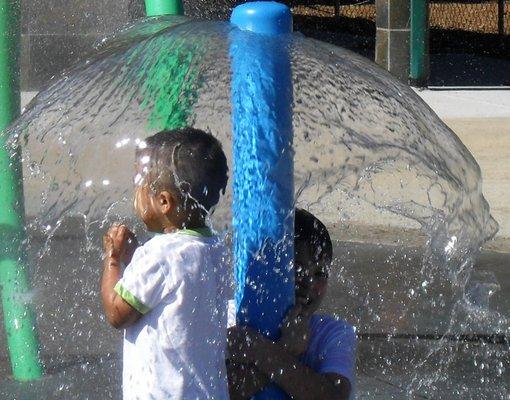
pixel 469 40
pixel 489 17
pixel 362 10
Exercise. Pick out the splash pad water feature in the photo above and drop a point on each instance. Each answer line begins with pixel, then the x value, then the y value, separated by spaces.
pixel 367 151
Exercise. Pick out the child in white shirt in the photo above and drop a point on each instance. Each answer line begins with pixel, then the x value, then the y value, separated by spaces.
pixel 171 299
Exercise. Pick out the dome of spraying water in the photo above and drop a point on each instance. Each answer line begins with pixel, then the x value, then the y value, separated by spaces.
pixel 364 143
pixel 368 152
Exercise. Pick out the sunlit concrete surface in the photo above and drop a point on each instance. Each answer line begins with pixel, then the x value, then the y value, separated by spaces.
pixel 481 119
pixel 489 141
pixel 454 103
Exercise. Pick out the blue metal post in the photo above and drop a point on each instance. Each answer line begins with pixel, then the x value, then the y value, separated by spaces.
pixel 263 205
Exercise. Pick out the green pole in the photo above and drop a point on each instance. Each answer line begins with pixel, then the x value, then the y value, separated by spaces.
pixel 163 7
pixel 169 80
pixel 18 316
pixel 419 67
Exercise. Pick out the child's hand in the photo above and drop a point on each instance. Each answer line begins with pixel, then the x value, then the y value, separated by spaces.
pixel 120 243
pixel 295 330
pixel 243 344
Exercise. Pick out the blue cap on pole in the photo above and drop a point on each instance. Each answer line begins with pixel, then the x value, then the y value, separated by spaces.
pixel 265 17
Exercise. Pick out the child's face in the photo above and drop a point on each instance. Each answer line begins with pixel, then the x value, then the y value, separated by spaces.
pixel 147 204
pixel 311 277
pixel 145 208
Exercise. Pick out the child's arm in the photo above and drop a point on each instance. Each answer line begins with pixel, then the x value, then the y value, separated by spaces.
pixel 244 380
pixel 279 362
pixel 119 244
pixel 283 368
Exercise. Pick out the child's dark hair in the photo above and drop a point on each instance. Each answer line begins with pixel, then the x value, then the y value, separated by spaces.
pixel 310 231
pixel 188 162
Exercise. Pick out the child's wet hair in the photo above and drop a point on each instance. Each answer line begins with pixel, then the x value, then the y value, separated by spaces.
pixel 188 162
pixel 310 231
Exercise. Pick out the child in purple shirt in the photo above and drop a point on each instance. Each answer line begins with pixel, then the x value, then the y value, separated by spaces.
pixel 315 356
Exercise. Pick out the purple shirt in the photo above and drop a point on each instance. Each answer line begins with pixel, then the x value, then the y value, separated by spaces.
pixel 331 347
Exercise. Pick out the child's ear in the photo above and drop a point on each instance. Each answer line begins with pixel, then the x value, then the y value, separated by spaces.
pixel 166 202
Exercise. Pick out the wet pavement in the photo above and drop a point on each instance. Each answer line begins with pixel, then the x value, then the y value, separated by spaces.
pixel 386 369
pixel 415 341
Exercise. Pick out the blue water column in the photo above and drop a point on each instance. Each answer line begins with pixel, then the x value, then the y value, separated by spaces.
pixel 263 205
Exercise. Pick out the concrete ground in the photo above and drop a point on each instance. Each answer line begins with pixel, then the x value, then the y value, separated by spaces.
pixel 481 119
pixel 99 378
pixel 489 142
pixel 406 339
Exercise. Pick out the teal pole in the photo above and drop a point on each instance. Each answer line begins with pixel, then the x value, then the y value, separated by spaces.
pixel 19 319
pixel 163 7
pixel 419 67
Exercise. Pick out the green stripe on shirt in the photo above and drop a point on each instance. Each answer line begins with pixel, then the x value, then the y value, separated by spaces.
pixel 200 232
pixel 129 298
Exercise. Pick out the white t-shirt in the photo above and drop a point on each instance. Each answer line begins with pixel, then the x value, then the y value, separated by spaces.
pixel 180 283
